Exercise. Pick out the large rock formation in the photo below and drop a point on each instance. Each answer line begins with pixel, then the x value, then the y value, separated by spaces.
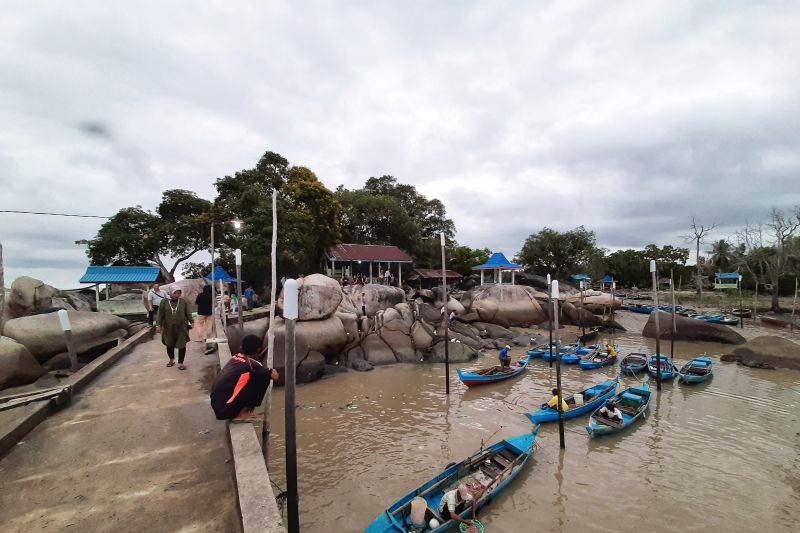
pixel 374 298
pixel 319 297
pixel 17 365
pixel 43 337
pixel 506 305
pixel 767 352
pixel 29 296
pixel 690 329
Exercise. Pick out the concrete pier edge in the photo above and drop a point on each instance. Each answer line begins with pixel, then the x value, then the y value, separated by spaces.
pixel 33 414
pixel 257 506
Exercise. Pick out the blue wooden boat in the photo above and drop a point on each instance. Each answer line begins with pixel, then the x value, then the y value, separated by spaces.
pixel 598 359
pixel 579 403
pixel 568 355
pixel 632 402
pixel 485 376
pixel 641 308
pixel 667 367
pixel 486 473
pixel 696 371
pixel 633 363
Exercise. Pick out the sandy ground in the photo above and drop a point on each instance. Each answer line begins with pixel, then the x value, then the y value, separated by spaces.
pixel 138 450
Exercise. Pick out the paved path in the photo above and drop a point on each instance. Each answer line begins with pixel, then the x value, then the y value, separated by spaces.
pixel 138 450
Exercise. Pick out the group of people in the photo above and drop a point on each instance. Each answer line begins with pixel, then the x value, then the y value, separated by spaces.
pixel 387 278
pixel 241 384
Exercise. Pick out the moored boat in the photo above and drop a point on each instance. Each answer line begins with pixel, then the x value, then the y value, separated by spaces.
pixel 696 371
pixel 778 323
pixel 641 308
pixel 667 368
pixel 486 473
pixel 485 376
pixel 568 355
pixel 633 363
pixel 598 358
pixel 632 402
pixel 579 403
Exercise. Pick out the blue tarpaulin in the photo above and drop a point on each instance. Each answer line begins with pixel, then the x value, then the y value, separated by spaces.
pixel 221 275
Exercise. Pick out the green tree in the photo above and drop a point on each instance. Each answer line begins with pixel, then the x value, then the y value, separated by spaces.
pixel 723 256
pixel 308 217
pixel 463 258
pixel 558 253
pixel 135 237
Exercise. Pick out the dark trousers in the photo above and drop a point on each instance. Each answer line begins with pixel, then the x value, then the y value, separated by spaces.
pixel 181 353
pixel 151 314
pixel 249 398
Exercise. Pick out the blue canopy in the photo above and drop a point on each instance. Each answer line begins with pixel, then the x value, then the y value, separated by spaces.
pixel 581 277
pixel 498 261
pixel 727 275
pixel 120 274
pixel 608 278
pixel 221 275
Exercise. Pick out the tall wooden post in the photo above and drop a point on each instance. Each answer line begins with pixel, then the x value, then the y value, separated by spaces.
pixel 741 304
pixel 554 296
pixel 794 305
pixel 613 303
pixel 265 427
pixel 2 292
pixel 290 314
pixel 674 326
pixel 583 324
pixel 238 255
pixel 549 322
pixel 654 274
pixel 445 321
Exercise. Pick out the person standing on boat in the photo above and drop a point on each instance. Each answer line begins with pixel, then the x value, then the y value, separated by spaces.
pixel 505 358
pixel 553 402
pixel 173 322
pixel 454 501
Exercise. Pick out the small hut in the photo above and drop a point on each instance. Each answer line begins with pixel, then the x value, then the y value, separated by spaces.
pixel 349 259
pixel 498 264
pixel 726 280
pixel 427 278
pixel 119 275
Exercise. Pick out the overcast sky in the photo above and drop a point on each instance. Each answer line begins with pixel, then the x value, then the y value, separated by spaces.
pixel 626 117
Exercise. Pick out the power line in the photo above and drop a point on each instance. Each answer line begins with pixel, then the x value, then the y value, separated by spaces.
pixel 50 214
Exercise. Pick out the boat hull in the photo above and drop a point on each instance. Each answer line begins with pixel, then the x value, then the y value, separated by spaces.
pixel 667 367
pixel 471 379
pixel 698 370
pixel 598 429
pixel 603 390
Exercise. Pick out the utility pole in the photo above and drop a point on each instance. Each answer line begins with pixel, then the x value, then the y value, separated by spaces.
pixel 238 255
pixel 550 323
pixel 674 326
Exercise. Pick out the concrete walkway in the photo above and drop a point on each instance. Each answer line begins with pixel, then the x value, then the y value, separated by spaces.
pixel 138 450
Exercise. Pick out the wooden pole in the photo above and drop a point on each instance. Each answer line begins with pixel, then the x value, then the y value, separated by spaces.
pixel 549 322
pixel 290 313
pixel 554 296
pixel 213 291
pixel 445 322
pixel 613 303
pixel 583 324
pixel 755 300
pixel 265 427
pixel 794 304
pixel 2 292
pixel 239 287
pixel 741 305
pixel 674 326
pixel 654 274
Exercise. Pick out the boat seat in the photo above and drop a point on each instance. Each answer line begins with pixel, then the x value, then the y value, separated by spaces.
pixel 631 399
pixel 702 364
pixel 490 471
pixel 507 455
pixel 502 461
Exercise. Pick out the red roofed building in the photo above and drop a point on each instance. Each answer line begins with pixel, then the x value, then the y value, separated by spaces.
pixel 366 259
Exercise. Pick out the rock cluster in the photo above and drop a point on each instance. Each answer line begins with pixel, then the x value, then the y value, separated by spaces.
pixel 690 329
pixel 767 351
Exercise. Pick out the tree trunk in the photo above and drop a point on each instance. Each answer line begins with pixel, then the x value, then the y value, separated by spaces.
pixel 699 277
pixel 776 308
pixel 2 292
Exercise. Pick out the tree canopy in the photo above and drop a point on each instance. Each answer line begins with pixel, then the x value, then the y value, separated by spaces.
pixel 137 237
pixel 558 253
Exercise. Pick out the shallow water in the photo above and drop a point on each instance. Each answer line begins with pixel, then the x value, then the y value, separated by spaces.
pixel 721 456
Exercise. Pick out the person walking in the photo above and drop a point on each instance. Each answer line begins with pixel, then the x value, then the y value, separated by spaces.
pixel 173 322
pixel 202 322
pixel 250 295
pixel 241 384
pixel 154 297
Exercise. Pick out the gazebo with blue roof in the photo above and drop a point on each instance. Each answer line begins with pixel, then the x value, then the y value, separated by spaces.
pixel 498 263
pixel 726 280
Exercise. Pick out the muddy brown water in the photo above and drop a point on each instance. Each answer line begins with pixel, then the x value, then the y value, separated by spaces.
pixel 721 456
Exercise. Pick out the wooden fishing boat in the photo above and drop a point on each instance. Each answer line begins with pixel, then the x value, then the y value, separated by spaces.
pixel 632 402
pixel 696 371
pixel 568 355
pixel 579 403
pixel 633 363
pixel 667 368
pixel 641 308
pixel 771 321
pixel 486 473
pixel 589 335
pixel 599 359
pixel 485 376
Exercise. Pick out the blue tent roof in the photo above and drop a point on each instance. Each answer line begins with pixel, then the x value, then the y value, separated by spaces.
pixel 608 278
pixel 120 274
pixel 727 275
pixel 496 261
pixel 581 277
pixel 221 275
